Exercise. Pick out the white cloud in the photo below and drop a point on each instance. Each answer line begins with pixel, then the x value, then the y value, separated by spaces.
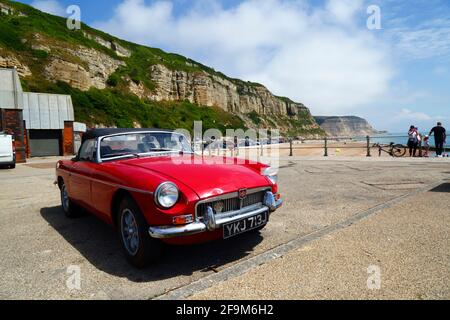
pixel 408 114
pixel 426 40
pixel 49 6
pixel 318 56
pixel 344 10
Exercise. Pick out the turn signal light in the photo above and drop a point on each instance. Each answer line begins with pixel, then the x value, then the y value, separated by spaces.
pixel 277 196
pixel 182 220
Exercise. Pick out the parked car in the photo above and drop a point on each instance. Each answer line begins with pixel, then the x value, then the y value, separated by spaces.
pixel 7 151
pixel 247 142
pixel 152 188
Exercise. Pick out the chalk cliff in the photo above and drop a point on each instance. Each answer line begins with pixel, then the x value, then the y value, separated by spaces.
pixel 348 126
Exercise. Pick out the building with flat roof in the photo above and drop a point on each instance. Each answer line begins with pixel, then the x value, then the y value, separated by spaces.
pixel 42 124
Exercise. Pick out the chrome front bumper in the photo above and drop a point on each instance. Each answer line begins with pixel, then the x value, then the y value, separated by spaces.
pixel 212 221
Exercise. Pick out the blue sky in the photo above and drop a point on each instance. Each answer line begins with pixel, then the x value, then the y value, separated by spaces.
pixel 320 53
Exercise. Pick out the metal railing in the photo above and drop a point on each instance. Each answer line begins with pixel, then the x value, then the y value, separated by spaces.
pixel 292 145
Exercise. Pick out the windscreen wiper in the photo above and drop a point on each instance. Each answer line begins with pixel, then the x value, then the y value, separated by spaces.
pixel 160 150
pixel 122 155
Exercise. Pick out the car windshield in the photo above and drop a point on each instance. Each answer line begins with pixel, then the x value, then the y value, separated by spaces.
pixel 142 143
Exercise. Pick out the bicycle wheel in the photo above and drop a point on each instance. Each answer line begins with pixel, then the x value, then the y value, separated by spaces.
pixel 398 151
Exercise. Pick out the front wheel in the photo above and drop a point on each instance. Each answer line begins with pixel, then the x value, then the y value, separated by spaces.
pixel 398 151
pixel 69 208
pixel 139 248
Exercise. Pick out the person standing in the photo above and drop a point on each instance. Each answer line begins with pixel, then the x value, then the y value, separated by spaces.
pixel 419 141
pixel 413 141
pixel 440 136
pixel 426 141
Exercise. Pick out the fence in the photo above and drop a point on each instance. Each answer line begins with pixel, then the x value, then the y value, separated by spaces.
pixel 367 145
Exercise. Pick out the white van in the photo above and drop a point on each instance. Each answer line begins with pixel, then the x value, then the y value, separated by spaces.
pixel 7 151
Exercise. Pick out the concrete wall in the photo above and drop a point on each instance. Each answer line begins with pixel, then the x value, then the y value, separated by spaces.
pixel 10 90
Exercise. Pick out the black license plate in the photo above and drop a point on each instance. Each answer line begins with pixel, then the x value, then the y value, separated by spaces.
pixel 244 225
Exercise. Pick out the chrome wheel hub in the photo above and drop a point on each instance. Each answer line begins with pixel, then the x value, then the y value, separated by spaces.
pixel 64 198
pixel 130 233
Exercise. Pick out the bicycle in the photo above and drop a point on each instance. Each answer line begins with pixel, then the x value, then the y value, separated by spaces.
pixel 394 150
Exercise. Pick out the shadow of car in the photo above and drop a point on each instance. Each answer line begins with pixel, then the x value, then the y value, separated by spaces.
pixel 443 188
pixel 98 243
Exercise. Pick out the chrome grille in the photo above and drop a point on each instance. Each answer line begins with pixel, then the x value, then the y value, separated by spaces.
pixel 233 204
pixel 253 198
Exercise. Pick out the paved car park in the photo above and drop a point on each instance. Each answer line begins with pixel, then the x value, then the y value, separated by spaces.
pixel 40 247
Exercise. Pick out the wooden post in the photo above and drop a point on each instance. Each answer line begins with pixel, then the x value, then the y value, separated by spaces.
pixel 368 146
pixel 420 149
pixel 326 147
pixel 67 144
pixel 290 146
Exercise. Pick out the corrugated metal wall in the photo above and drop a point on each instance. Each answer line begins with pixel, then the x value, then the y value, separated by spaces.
pixel 46 111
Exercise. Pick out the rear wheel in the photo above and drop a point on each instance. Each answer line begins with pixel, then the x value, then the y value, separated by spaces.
pixel 69 208
pixel 398 151
pixel 139 248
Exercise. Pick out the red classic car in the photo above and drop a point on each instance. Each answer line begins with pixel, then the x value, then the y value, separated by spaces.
pixel 152 188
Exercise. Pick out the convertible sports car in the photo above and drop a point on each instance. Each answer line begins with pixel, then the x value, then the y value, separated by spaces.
pixel 152 188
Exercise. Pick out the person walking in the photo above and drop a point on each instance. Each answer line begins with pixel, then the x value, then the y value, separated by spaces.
pixel 440 137
pixel 413 141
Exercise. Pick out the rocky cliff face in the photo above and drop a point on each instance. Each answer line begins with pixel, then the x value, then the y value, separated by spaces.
pixel 10 61
pixel 84 68
pixel 210 90
pixel 93 69
pixel 349 126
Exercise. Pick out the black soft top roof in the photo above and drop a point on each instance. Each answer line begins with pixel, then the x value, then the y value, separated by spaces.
pixel 95 133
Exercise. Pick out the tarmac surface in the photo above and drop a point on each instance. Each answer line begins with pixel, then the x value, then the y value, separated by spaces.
pixel 40 246
pixel 405 247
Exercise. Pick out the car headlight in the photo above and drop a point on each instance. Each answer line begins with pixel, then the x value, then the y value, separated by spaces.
pixel 166 195
pixel 272 174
